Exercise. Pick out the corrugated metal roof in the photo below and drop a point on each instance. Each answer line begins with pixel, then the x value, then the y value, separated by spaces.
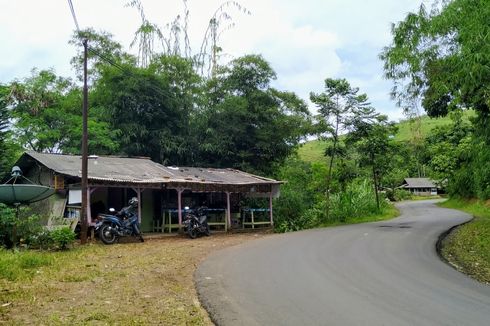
pixel 143 170
pixel 418 183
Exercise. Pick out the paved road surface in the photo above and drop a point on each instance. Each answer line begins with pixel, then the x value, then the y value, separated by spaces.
pixel 385 273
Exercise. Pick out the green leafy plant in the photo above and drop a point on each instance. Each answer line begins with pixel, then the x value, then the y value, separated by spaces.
pixel 63 237
pixel 17 228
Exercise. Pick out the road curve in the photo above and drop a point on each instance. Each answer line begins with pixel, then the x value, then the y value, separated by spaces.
pixel 385 273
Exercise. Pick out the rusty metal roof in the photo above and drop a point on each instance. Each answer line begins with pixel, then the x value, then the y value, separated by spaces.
pixel 418 183
pixel 140 170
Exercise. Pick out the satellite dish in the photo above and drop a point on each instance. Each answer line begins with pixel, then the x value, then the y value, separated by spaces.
pixel 13 193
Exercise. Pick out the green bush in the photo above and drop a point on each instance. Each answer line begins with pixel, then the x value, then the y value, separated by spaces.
pixel 43 240
pixel 63 237
pixel 15 230
pixel 357 201
pixel 401 194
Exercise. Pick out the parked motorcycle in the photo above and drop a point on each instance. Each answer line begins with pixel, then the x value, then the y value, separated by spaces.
pixel 195 224
pixel 124 223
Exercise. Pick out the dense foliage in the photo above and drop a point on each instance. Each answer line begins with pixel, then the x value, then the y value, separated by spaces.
pixel 442 56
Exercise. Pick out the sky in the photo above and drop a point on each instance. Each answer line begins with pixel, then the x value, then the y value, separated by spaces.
pixel 305 41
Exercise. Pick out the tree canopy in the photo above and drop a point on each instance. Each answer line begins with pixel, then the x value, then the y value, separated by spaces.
pixel 442 56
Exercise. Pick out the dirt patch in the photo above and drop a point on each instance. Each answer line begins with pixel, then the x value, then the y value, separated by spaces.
pixel 128 283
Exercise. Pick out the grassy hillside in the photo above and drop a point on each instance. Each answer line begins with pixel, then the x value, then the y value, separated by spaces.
pixel 313 151
pixel 427 124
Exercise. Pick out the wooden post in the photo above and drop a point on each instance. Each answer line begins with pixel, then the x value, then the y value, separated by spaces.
pixel 253 220
pixel 270 209
pixel 138 192
pixel 139 204
pixel 179 205
pixel 85 205
pixel 89 211
pixel 228 212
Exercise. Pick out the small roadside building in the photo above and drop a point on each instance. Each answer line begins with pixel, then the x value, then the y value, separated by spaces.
pixel 163 191
pixel 420 186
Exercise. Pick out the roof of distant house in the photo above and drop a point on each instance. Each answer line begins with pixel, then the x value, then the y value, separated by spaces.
pixel 418 183
pixel 139 170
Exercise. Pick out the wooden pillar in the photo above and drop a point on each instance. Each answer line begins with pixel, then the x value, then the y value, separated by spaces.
pixel 270 209
pixel 228 212
pixel 179 205
pixel 138 195
pixel 89 212
pixel 139 205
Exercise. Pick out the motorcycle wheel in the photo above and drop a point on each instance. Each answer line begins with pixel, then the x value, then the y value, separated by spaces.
pixel 192 232
pixel 207 232
pixel 106 235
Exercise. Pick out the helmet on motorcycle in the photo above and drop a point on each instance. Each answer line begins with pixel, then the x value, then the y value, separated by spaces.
pixel 133 202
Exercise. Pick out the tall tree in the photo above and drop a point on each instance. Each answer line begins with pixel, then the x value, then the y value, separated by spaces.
pixel 146 108
pixel 246 123
pixel 47 116
pixel 337 105
pixel 443 57
pixel 372 135
pixel 7 147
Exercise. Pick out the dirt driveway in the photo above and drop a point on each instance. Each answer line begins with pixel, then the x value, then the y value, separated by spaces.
pixel 126 284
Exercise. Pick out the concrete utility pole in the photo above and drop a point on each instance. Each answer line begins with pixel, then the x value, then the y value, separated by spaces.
pixel 85 203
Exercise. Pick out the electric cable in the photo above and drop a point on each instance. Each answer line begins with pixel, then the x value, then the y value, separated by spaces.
pixel 109 60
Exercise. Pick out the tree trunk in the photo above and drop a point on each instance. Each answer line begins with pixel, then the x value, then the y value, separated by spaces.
pixel 375 187
pixel 329 176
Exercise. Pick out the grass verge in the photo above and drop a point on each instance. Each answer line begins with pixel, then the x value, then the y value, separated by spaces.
pixel 122 284
pixel 386 214
pixel 468 247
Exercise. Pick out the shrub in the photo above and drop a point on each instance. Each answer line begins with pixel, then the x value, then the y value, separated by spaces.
pixel 357 201
pixel 401 194
pixel 43 240
pixel 63 237
pixel 14 229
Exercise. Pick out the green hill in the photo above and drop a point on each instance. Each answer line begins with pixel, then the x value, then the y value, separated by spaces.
pixel 313 151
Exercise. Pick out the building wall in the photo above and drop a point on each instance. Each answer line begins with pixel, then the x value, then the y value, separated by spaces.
pixel 147 210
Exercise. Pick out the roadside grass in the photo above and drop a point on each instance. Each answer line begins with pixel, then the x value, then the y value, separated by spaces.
pixel 468 247
pixel 122 284
pixel 388 213
pixel 416 198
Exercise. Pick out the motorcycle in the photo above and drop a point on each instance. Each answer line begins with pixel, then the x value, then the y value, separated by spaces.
pixel 125 223
pixel 195 224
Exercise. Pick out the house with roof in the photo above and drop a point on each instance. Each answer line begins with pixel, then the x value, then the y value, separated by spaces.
pixel 420 186
pixel 163 191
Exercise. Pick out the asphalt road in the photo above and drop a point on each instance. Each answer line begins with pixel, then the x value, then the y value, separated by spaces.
pixel 385 273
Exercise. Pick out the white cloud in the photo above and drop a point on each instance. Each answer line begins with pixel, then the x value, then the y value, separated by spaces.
pixel 305 41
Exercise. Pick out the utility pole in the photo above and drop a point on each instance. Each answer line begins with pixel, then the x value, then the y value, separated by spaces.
pixel 85 203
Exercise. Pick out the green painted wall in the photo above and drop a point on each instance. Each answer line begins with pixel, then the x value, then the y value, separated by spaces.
pixel 147 210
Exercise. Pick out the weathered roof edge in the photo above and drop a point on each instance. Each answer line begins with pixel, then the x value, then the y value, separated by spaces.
pixel 163 180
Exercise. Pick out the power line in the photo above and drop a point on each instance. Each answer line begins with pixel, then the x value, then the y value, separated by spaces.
pixel 73 14
pixel 109 60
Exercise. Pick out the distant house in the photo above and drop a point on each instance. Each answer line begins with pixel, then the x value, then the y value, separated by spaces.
pixel 420 186
pixel 162 191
